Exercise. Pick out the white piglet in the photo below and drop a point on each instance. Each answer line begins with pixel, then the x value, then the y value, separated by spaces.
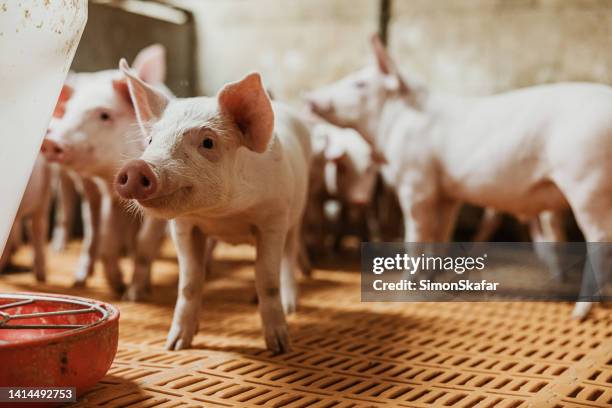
pixel 94 134
pixel 544 148
pixel 232 167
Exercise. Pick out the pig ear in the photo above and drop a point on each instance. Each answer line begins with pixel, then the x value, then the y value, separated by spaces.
pixel 248 104
pixel 148 102
pixel 121 87
pixel 150 64
pixel 60 106
pixel 386 66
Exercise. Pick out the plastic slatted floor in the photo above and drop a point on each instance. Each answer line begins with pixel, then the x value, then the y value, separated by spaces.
pixel 345 353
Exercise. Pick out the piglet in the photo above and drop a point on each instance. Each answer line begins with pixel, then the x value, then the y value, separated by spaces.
pixel 524 152
pixel 232 167
pixel 343 178
pixel 95 132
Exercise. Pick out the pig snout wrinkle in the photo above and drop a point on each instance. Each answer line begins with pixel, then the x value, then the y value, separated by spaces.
pixel 136 180
pixel 53 151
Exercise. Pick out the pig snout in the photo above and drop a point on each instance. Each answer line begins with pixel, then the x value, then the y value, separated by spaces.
pixel 53 151
pixel 136 180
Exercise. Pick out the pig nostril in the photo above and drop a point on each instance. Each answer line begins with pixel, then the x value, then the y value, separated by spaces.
pixel 145 181
pixel 123 178
pixel 57 150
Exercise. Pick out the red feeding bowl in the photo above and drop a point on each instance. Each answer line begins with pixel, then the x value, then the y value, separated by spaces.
pixel 55 341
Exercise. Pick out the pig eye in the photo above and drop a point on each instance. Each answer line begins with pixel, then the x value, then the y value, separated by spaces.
pixel 149 140
pixel 105 116
pixel 208 143
pixel 360 84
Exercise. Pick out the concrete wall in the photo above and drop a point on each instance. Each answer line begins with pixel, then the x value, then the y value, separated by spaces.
pixel 463 46
pixel 484 46
pixel 121 29
pixel 295 44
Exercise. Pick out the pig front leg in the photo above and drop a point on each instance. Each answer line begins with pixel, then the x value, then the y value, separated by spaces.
pixel 270 245
pixel 39 229
pixel 149 241
pixel 190 244
pixel 64 213
pixel 90 212
pixel 420 212
pixel 40 226
pixel 110 244
pixel 421 226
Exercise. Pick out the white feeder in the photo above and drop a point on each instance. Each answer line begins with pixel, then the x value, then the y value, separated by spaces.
pixel 38 39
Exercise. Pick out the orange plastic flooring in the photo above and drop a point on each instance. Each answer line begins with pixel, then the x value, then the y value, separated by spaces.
pixel 345 353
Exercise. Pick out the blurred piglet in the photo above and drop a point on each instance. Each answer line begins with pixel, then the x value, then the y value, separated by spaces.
pixel 96 133
pixel 343 179
pixel 34 209
pixel 232 167
pixel 544 148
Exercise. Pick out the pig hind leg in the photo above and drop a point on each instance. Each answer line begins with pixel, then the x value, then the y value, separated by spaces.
pixel 304 259
pixel 210 246
pixel 591 205
pixel 448 210
pixel 547 231
pixel 490 222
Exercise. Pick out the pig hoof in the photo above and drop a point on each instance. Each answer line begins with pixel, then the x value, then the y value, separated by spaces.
pixel 581 310
pixel 179 339
pixel 41 278
pixel 277 339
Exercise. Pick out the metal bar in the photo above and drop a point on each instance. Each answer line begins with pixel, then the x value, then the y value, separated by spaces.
pixel 384 16
pixel 57 313
pixel 42 326
pixel 18 299
pixel 15 304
